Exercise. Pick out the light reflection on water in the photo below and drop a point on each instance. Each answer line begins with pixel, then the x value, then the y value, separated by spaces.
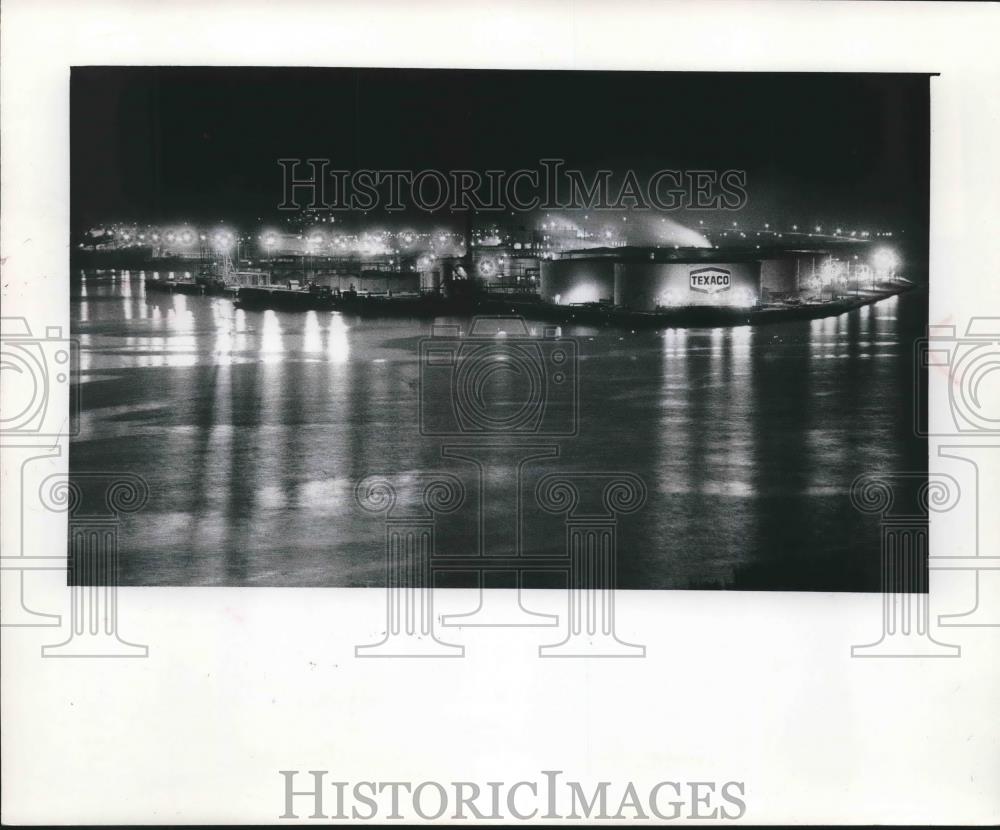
pixel 252 428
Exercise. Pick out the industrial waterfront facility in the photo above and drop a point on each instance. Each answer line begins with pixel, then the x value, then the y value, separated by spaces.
pixel 653 279
pixel 551 270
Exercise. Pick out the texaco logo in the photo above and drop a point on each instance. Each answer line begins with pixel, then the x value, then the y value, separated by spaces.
pixel 710 280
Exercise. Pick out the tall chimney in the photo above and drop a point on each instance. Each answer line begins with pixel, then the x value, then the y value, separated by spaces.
pixel 468 242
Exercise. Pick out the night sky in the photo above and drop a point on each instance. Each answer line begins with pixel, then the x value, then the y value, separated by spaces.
pixel 201 144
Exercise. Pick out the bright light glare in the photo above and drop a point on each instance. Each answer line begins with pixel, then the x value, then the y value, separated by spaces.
pixel 885 259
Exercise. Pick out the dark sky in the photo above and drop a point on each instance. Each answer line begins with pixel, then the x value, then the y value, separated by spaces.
pixel 201 144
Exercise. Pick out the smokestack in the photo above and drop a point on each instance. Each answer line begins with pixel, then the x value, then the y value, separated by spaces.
pixel 468 242
pixel 449 264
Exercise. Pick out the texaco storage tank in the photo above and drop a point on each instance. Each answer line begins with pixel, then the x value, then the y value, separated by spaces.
pixel 645 279
pixel 779 277
pixel 568 281
pixel 653 285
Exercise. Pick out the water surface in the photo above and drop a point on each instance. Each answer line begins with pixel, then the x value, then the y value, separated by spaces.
pixel 252 429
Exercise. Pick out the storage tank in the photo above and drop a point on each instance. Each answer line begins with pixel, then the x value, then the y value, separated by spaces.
pixel 779 278
pixel 648 286
pixel 568 281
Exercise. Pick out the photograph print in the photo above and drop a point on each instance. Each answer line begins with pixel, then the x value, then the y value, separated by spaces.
pixel 496 328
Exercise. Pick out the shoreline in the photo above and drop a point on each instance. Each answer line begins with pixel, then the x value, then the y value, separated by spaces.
pixel 284 299
pixel 700 316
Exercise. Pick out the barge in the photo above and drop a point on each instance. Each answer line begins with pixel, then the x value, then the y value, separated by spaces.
pixel 198 287
pixel 322 298
pixel 593 314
